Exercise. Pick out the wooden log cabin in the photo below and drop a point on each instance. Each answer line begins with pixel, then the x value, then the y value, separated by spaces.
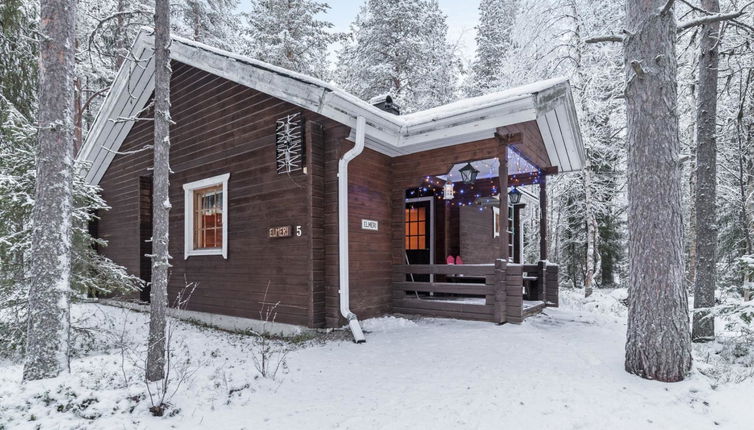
pixel 287 190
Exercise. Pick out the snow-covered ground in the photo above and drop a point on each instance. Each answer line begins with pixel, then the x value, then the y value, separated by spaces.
pixel 559 370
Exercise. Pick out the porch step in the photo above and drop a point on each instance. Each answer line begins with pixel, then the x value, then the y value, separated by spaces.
pixel 533 308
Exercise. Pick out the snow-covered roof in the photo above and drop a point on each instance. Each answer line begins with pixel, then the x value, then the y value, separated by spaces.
pixel 549 103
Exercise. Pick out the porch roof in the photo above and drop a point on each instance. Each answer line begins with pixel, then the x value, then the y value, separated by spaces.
pixel 548 104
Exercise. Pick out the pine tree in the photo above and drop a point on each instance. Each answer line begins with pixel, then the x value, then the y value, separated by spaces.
pixel 49 295
pixel 161 207
pixel 658 342
pixel 91 273
pixel 493 44
pixel 18 57
pixel 706 179
pixel 288 34
pixel 400 48
pixel 213 22
pixel 735 194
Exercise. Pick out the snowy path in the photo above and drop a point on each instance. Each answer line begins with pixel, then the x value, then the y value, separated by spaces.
pixel 561 370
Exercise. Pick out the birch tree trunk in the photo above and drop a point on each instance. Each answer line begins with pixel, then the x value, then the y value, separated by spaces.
pixel 50 289
pixel 161 199
pixel 591 221
pixel 658 340
pixel 706 179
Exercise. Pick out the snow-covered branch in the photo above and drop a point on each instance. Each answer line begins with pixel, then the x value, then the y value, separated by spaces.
pixel 608 38
pixel 709 19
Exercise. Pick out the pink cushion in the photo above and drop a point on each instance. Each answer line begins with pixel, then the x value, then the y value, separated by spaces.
pixel 459 260
pixel 450 260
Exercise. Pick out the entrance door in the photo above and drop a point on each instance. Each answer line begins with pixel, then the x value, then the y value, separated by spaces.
pixel 145 234
pixel 419 234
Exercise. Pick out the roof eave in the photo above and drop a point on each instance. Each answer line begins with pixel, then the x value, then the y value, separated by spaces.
pixel 550 104
pixel 559 127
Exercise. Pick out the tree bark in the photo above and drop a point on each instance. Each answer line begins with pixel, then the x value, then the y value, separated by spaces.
pixel 121 44
pixel 161 200
pixel 591 232
pixel 50 289
pixel 706 180
pixel 658 339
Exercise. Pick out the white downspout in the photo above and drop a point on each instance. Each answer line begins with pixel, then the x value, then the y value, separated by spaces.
pixel 345 310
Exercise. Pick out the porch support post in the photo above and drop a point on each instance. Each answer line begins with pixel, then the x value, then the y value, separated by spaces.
pixel 503 176
pixel 501 293
pixel 543 218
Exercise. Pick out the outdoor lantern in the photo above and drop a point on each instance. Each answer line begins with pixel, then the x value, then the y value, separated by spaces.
pixel 514 196
pixel 468 173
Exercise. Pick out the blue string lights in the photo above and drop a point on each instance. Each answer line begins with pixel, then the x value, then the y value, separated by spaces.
pixel 454 192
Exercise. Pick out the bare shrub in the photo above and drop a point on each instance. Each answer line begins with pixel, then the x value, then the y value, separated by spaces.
pixel 268 353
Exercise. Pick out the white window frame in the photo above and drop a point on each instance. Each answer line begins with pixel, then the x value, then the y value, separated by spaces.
pixel 188 214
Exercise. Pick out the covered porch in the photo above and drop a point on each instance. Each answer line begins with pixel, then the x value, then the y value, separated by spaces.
pixel 460 249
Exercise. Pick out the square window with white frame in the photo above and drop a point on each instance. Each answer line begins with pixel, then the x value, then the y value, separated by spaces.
pixel 206 216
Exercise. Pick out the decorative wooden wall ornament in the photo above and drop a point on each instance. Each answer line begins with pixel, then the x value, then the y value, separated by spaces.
pixel 289 143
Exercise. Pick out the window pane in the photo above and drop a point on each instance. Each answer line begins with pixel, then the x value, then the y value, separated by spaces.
pixel 209 221
pixel 422 242
pixel 421 216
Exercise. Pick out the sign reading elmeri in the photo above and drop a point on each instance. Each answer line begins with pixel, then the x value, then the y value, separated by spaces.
pixel 280 231
pixel 369 224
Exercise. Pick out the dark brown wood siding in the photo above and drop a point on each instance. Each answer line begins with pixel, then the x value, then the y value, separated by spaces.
pixel 369 251
pixel 222 127
pixel 476 232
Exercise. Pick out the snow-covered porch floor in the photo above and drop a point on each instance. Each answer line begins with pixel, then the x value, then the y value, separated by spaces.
pixel 561 369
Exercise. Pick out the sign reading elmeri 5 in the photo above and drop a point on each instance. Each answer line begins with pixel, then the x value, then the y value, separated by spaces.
pixel 369 224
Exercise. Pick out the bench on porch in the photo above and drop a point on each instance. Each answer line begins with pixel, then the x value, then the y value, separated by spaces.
pixel 493 292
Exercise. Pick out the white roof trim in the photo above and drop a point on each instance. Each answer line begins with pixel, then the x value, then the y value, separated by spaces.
pixel 548 102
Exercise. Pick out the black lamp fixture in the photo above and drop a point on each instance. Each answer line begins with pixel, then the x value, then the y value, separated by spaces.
pixel 468 174
pixel 514 196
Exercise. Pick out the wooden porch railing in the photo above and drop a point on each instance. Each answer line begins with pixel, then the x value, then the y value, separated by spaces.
pixel 497 296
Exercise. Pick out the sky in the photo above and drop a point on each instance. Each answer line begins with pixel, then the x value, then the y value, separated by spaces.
pixel 462 17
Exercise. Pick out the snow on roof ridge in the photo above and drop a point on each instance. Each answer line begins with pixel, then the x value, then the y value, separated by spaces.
pixel 478 102
pixel 431 114
pixel 258 63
